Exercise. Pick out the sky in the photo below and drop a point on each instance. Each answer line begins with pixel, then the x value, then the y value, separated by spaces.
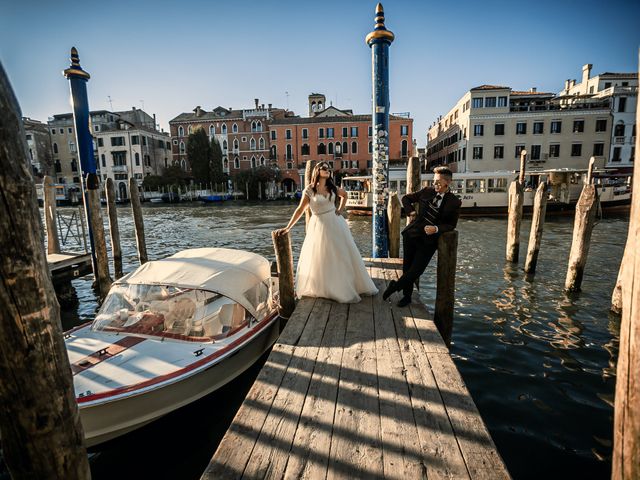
pixel 169 57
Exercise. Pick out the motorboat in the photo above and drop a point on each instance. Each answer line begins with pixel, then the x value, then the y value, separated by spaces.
pixel 216 197
pixel 169 333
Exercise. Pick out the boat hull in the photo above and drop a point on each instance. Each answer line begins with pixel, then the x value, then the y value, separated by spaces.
pixel 110 419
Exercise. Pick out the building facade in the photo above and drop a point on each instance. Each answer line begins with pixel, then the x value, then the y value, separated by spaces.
pixel 38 138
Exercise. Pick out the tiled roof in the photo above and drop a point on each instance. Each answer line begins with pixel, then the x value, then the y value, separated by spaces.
pixel 489 87
pixel 204 116
pixel 336 119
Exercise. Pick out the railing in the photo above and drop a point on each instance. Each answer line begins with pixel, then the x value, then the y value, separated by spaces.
pixel 618 140
pixel 71 229
pixel 554 107
pixel 119 168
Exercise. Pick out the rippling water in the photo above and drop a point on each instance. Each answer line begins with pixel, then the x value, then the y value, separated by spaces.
pixel 540 365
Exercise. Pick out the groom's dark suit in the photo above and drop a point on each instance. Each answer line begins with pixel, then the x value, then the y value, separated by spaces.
pixel 418 246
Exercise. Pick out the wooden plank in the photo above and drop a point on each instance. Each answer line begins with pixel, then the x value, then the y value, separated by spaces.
pixel 270 454
pixel 357 453
pixel 312 440
pixel 235 449
pixel 436 437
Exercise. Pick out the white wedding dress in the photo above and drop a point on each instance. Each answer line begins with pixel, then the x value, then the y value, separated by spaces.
pixel 330 265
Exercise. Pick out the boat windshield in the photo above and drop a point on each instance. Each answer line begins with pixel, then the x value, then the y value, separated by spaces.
pixel 170 312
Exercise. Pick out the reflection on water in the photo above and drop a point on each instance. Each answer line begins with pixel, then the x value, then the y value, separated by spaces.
pixel 540 365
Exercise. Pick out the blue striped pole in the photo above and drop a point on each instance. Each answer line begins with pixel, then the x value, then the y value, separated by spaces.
pixel 379 41
pixel 84 140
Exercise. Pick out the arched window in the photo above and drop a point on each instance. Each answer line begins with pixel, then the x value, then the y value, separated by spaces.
pixel 618 130
pixel 253 162
pixel 322 149
pixel 338 149
pixel 253 127
pixel 182 148
pixel 236 163
pixel 319 106
pixel 330 148
pixel 370 147
pixel 345 148
pixel 258 126
pixel 234 128
pixel 212 130
pixel 183 164
pixel 262 162
pixel 181 131
pixel 304 150
pixel 289 152
pixel 225 146
pixel 223 129
pixel 137 159
pixel 354 147
pixel 236 145
pixel 226 164
pixel 252 144
pixel 58 166
pixel 74 165
pixel 55 148
pixel 274 152
pixel 403 148
pixel 261 143
pixel 190 129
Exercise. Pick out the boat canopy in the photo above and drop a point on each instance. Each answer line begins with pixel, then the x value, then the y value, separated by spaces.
pixel 239 275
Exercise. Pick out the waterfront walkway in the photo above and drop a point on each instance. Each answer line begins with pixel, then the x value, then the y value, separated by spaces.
pixel 358 391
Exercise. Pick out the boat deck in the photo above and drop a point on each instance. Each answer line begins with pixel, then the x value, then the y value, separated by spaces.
pixel 367 390
pixel 67 266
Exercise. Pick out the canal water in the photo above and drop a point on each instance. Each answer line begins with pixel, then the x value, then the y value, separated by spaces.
pixel 539 364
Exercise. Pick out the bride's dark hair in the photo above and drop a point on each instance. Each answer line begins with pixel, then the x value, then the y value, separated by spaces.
pixel 315 179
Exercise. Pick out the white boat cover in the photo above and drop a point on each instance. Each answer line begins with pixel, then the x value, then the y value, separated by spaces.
pixel 239 275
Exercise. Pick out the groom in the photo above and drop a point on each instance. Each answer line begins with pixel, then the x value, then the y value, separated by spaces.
pixel 439 210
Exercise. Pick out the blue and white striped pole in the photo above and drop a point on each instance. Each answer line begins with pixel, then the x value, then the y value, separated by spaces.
pixel 379 40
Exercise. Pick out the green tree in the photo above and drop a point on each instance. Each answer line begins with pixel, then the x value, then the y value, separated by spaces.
pixel 217 173
pixel 200 155
pixel 252 178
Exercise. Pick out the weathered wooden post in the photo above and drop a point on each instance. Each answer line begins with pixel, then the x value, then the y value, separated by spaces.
pixel 516 200
pixel 537 225
pixel 42 436
pixel 99 243
pixel 413 178
pixel 53 242
pixel 626 421
pixel 616 296
pixel 446 284
pixel 284 259
pixel 585 219
pixel 308 172
pixel 393 213
pixel 138 221
pixel 114 231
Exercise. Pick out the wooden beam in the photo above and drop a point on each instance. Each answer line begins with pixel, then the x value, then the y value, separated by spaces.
pixel 138 221
pixel 537 225
pixel 114 231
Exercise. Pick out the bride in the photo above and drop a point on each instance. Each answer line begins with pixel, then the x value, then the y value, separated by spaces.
pixel 330 265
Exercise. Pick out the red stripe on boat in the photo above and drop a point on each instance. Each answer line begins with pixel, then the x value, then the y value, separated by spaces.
pixel 105 353
pixel 162 378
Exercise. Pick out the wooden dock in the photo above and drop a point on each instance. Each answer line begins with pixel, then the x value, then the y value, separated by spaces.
pixel 68 265
pixel 367 390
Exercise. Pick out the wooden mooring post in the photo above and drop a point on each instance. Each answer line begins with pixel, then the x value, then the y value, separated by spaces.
pixel 284 260
pixel 308 172
pixel 42 436
pixel 537 225
pixel 50 215
pixel 101 271
pixel 585 219
pixel 516 200
pixel 114 231
pixel 446 284
pixel 394 208
pixel 141 243
pixel 626 422
pixel 616 296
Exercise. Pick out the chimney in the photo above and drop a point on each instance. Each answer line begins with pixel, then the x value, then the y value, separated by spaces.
pixel 198 111
pixel 567 84
pixel 573 83
pixel 586 72
pixel 262 107
pixel 270 106
pixel 256 100
pixel 133 109
pixel 154 121
pixel 533 90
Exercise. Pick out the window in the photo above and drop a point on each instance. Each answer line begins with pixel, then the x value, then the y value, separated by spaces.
pixel 499 129
pixel 262 162
pixel 598 149
pixel 288 134
pixel 578 126
pixel 622 104
pixel 289 152
pixel 96 128
pixel 607 85
pixel 258 126
pixel 100 142
pixel 167 146
pixel 119 159
pixel 175 142
pixel 476 186
pixel 477 153
pixel 182 148
pixel 535 152
pixel 490 102
pixel 58 167
pixel 236 163
pixel 498 151
pixel 104 161
pixel 502 101
pixel 61 131
pixel 477 102
pixel 117 141
pixel 345 148
pixel 135 140
pixel 556 126
pixel 253 126
pixel 616 154
pixel 370 147
pixel 70 130
pixel 618 130
pixel 144 140
pixel 53 131
pixel 330 132
pixel 538 128
pixel 370 131
pixel 330 148
pixel 252 144
pixel 236 145
pixel 345 132
pixel 273 135
pixel 519 149
pixel 497 185
pixel 554 150
pixel 478 130
pixel 601 125
pixel 234 128
pixel 521 128
pixel 322 149
pixel 576 149
pixel 244 139
pixel 137 159
pixel 354 147
pixel 591 89
pixel 223 128
pixel 253 162
pixel 190 130
pixel 321 133
pixel 354 131
pixel 305 133
pixel 304 150
pixel 404 130
pixel 261 144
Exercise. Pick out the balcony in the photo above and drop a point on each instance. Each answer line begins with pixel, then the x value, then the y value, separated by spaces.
pixel 618 140
pixel 119 168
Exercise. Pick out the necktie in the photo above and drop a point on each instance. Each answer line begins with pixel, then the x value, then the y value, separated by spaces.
pixel 436 200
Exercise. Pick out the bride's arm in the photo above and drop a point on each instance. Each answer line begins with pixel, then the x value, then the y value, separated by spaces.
pixel 302 206
pixel 342 195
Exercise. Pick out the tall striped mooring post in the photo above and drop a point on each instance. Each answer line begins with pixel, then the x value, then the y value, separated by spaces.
pixel 379 40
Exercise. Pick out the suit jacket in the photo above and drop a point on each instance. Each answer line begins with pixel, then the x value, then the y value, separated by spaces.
pixel 446 220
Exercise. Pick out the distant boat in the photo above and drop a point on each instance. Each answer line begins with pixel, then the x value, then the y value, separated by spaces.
pixel 218 197
pixel 169 333
pixel 156 200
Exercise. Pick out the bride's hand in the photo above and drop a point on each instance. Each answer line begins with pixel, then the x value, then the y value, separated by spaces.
pixel 282 231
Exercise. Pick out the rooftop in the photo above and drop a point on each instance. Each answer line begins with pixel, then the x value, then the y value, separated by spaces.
pixel 490 87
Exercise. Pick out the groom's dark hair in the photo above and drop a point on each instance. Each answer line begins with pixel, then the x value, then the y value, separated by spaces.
pixel 445 172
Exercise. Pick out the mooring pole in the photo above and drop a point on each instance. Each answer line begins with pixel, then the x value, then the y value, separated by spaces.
pixel 379 41
pixel 78 83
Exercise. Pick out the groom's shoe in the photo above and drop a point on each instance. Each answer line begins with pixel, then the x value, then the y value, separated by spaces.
pixel 390 289
pixel 404 301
